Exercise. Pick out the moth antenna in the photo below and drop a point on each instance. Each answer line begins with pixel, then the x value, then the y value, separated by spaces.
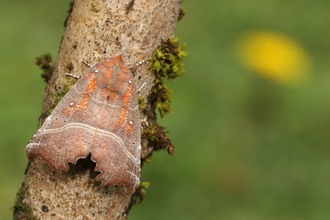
pixel 133 70
pixel 141 87
pixel 136 65
pixel 87 64
pixel 73 76
pixel 142 62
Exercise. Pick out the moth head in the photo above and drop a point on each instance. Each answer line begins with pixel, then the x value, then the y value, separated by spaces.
pixel 114 75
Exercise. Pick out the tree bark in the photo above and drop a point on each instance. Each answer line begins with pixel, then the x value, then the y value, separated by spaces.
pixel 95 29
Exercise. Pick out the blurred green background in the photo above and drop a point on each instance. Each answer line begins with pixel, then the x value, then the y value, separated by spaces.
pixel 247 148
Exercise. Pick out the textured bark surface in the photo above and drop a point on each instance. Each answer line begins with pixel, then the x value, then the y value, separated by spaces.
pixel 95 29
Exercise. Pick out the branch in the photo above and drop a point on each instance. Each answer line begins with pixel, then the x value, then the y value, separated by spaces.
pixel 94 30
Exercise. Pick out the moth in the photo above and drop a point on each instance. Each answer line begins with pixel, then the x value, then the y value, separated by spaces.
pixel 100 116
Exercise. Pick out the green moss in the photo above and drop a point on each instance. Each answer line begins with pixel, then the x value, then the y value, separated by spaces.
pixel 148 133
pixel 142 104
pixel 43 116
pixel 140 191
pixel 46 64
pixel 22 210
pixel 147 159
pixel 166 62
pixel 60 94
pixel 162 98
pixel 143 186
pixel 157 137
pixel 182 13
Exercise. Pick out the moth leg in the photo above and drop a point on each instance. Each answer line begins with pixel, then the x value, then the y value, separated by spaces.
pixel 87 64
pixel 73 76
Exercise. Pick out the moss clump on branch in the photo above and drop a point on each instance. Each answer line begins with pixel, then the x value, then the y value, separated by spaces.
pixel 22 210
pixel 166 62
pixel 182 13
pixel 157 137
pixel 45 62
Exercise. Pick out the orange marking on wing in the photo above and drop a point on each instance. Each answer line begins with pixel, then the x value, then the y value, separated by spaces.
pixel 88 75
pixel 123 112
pixel 91 85
pixel 69 110
pixel 128 128
pixel 83 102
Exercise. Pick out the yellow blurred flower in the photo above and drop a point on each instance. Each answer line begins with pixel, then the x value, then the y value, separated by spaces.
pixel 274 56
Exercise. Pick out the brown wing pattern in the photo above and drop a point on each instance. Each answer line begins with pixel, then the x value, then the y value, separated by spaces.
pixel 99 115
